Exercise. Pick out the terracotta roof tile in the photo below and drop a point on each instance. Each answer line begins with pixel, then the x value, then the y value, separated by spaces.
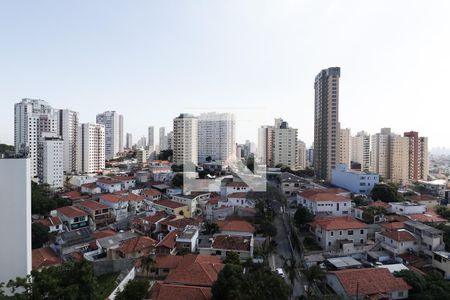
pixel 369 281
pixel 165 291
pixel 167 261
pixel 236 225
pixel 380 204
pixel 112 198
pixel 140 243
pixel 169 203
pixel 393 225
pixel 169 241
pixel 335 223
pixel 71 211
pixel 89 185
pixel 73 195
pixel 44 257
pixel 108 181
pixel 399 235
pixel 238 195
pixel 237 184
pixel 181 223
pixel 231 242
pixel 151 192
pixel 93 205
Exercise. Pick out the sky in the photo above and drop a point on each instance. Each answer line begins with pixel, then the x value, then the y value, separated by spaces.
pixel 151 60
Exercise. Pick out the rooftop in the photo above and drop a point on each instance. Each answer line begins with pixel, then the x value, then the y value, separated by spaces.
pixel 115 240
pixel 93 205
pixel 232 242
pixel 238 195
pixel 399 235
pixel 236 225
pixel 44 257
pixel 169 203
pixel 166 291
pixel 71 212
pixel 335 223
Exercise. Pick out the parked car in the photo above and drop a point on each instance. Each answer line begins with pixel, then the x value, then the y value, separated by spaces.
pixel 280 272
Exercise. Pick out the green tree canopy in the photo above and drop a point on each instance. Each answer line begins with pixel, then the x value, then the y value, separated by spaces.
pixel 232 258
pixel 386 193
pixel 177 180
pixel 134 290
pixel 210 227
pixel 39 235
pixel 302 217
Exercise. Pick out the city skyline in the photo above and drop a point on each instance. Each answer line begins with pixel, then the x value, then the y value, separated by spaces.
pixel 268 54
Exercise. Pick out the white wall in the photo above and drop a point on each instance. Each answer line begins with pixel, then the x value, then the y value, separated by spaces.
pixel 15 218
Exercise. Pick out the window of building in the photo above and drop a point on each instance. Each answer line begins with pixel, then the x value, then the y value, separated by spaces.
pixel 350 232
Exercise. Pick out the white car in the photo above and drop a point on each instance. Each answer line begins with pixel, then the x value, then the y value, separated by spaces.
pixel 280 272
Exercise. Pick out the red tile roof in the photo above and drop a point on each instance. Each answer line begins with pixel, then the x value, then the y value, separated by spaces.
pixel 134 197
pixel 429 216
pixel 140 243
pixel 181 223
pixel 167 261
pixel 335 223
pixel 238 195
pixel 124 178
pixel 89 186
pixel 151 219
pixel 169 241
pixel 112 198
pixel 369 281
pixel 169 203
pixel 312 192
pixel 71 212
pixel 103 233
pixel 108 181
pixel 165 291
pixel 152 192
pixel 92 205
pixel 380 204
pixel 236 225
pixel 73 195
pixel 399 236
pixel 231 242
pixel 213 200
pixel 393 225
pixel 44 257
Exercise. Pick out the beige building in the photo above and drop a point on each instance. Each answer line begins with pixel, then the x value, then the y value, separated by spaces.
pixel 379 155
pixel 265 145
pixel 360 150
pixel 326 122
pixel 301 155
pixel 345 146
pixel 284 144
pixel 185 139
pixel 399 159
pixel 92 148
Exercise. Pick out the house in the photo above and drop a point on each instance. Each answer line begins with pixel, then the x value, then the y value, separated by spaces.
pixel 136 203
pixel 90 188
pixel 72 217
pixel 99 213
pixel 235 187
pixel 117 203
pixel 236 227
pixel 43 258
pixel 429 238
pixel 136 247
pixel 430 216
pixel 398 242
pixel 54 224
pixel 406 208
pixel 167 246
pixel 428 200
pixel 339 233
pixel 163 264
pixel 441 262
pixel 238 199
pixel 128 182
pixel 367 283
pixel 192 200
pixel 220 245
pixel 372 213
pixel 109 185
pixel 172 208
pixel 354 181
pixel 160 171
pixel 326 202
pixel 72 196
pixel 186 241
pixel 151 194
pixel 291 184
pixel 171 224
pixel 167 291
pixel 148 225
pixel 110 244
pixel 73 241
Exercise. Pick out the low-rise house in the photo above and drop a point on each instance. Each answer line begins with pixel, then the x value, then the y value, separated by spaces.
pixel 239 200
pixel 429 238
pixel 43 258
pixel 99 213
pixel 339 233
pixel 79 180
pixel 428 200
pixel 136 203
pixel 390 226
pixel 168 291
pixel 72 217
pixel 134 248
pixel 355 181
pixel 186 241
pixel 109 185
pixel 168 245
pixel 291 184
pixel 236 227
pixel 172 208
pixel 220 245
pixel 333 202
pixel 72 196
pixel 110 243
pixel 430 216
pixel 151 194
pixel 367 283
pixel 406 208
pixel 398 242
pixel 163 264
pixel 90 188
pixel 193 201
pixel 235 187
pixel 54 224
pixel 73 241
pixel 128 182
pixel 372 213
pixel 171 224
pixel 441 262
pixel 148 225
pixel 117 203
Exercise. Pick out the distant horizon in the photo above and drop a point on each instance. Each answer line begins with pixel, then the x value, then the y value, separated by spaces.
pixel 151 61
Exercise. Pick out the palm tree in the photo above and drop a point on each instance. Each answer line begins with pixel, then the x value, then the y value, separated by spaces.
pixel 313 274
pixel 147 262
pixel 290 265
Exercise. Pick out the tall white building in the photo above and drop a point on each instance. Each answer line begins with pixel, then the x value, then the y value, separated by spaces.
pixel 216 137
pixel 15 218
pixel 379 153
pixel 51 160
pixel 121 133
pixel 151 138
pixel 361 150
pixel 185 139
pixel 301 154
pixel 170 140
pixel 129 142
pixel 112 124
pixel 345 144
pixel 32 117
pixel 163 143
pixel 265 141
pixel 284 144
pixel 92 148
pixel 68 130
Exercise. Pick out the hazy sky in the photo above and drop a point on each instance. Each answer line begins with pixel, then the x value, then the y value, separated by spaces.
pixel 151 60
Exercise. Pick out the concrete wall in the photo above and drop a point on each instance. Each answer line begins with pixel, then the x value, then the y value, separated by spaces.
pixel 15 218
pixel 105 266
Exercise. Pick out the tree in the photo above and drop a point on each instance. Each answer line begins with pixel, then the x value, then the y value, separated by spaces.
pixel 147 262
pixel 251 164
pixel 42 200
pixel 232 258
pixel 302 217
pixel 210 227
pixel 429 287
pixel 385 192
pixel 267 228
pixel 177 180
pixel 229 283
pixel 313 275
pixel 134 290
pixel 165 154
pixel 39 235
